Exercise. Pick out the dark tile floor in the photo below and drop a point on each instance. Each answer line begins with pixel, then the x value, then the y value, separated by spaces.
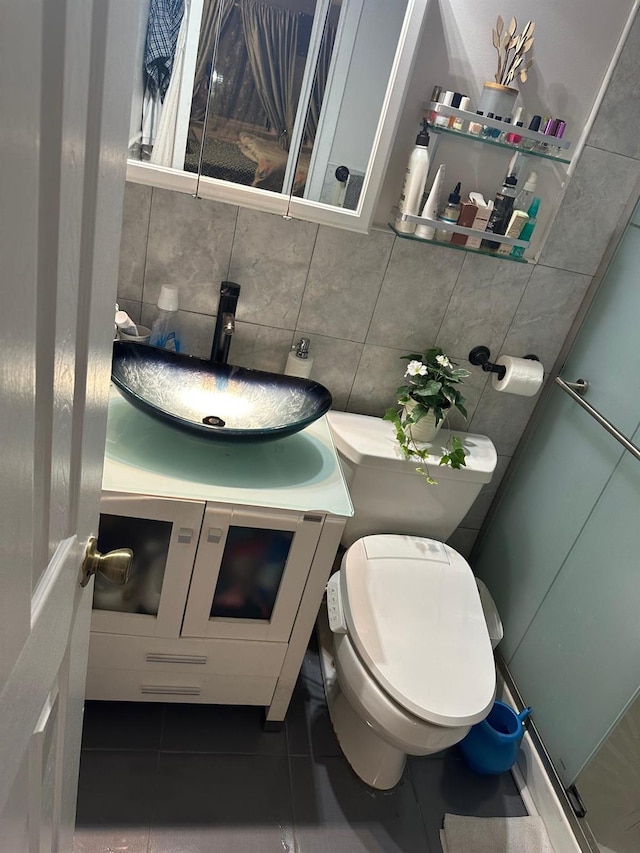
pixel 201 779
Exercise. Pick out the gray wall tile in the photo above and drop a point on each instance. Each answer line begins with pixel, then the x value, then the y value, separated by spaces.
pixel 133 243
pixel 502 417
pixel 616 125
pixel 414 296
pixel 190 246
pixel 595 200
pixel 344 281
pixel 270 261
pixel 482 305
pixel 379 373
pixel 260 347
pixel 546 313
pixel 334 364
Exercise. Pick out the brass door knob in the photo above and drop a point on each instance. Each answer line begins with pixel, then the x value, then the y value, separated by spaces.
pixel 115 565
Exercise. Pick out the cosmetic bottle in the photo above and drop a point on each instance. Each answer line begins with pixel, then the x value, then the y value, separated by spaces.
pixel 514 138
pixel 529 144
pixel 475 127
pixel 455 103
pixel 445 100
pixel 486 130
pixel 555 149
pixel 431 206
pixel 527 231
pixel 549 130
pixel 495 131
pixel 164 331
pixel 431 115
pixel 525 196
pixel 514 229
pixel 450 215
pixel 502 209
pixel 414 180
pixel 505 133
pixel 456 122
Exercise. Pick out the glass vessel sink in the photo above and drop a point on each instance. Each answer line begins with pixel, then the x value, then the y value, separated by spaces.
pixel 220 401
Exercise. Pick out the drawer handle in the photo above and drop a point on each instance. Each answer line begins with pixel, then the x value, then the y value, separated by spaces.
pixel 156 657
pixel 170 690
pixel 185 535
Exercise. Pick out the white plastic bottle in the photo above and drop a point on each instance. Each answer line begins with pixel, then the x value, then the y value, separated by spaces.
pixel 164 332
pixel 414 180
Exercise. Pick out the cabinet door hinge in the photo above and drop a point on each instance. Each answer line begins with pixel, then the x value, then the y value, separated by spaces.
pixel 576 801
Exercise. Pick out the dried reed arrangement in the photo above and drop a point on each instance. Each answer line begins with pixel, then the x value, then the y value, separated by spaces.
pixel 512 49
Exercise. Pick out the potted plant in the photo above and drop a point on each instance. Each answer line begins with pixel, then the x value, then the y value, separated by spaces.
pixel 430 391
pixel 499 97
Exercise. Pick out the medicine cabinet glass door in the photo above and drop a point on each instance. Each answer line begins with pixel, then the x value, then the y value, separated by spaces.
pixel 250 572
pixel 284 105
pixel 163 535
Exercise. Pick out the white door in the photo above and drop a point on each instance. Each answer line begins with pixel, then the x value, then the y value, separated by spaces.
pixel 65 90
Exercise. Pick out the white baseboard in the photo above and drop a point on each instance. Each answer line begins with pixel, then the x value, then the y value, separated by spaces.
pixel 537 791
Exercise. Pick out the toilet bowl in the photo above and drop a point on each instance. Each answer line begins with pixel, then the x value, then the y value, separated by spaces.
pixel 411 659
pixel 406 655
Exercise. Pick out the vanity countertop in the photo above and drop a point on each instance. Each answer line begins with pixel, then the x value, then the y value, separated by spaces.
pixel 146 457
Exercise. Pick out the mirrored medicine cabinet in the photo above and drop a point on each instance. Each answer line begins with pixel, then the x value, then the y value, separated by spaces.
pixel 285 106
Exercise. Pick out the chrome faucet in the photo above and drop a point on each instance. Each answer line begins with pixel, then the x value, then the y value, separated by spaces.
pixel 225 322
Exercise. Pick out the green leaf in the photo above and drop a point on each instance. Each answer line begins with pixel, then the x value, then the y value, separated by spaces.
pixel 429 389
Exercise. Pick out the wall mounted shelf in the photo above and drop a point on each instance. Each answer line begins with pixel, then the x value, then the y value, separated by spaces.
pixel 525 133
pixel 458 229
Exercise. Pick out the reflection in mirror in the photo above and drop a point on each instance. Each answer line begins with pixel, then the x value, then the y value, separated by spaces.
pixel 283 95
pixel 351 76
pixel 252 62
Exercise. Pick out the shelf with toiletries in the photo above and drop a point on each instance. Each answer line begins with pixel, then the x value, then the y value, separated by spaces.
pixel 525 140
pixel 438 224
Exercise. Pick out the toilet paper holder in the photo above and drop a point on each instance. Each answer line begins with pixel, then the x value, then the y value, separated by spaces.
pixel 480 356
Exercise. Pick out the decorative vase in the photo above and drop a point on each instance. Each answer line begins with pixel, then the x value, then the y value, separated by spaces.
pixel 426 429
pixel 498 99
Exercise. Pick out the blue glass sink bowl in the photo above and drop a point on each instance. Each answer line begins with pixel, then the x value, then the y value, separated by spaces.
pixel 219 401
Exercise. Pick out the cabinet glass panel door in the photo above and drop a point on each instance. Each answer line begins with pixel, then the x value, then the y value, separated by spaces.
pixel 163 535
pixel 253 563
pixel 250 572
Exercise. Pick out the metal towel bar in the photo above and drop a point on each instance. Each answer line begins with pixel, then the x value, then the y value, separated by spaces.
pixel 595 414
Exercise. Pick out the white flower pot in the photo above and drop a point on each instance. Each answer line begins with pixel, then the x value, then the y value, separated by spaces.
pixel 426 429
pixel 498 99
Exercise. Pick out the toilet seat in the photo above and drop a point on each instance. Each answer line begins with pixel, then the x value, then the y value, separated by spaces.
pixel 414 616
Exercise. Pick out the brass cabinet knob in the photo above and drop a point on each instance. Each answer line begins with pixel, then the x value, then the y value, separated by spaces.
pixel 115 565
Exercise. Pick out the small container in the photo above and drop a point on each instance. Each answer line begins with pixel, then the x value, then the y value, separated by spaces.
pixel 445 100
pixel 435 95
pixel 491 747
pixel 505 133
pixel 529 144
pixel 486 129
pixel 450 214
pixel 515 138
pixel 455 103
pixel 495 131
pixel 497 98
pixel 164 330
pixel 475 127
pixel 549 130
pixel 458 123
pixel 560 129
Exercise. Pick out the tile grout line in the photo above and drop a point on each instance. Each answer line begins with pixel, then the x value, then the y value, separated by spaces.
pixel 453 290
pixel 146 253
pixel 306 278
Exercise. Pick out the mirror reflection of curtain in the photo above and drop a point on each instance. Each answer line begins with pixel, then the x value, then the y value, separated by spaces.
pixel 271 37
pixel 214 13
pixel 320 82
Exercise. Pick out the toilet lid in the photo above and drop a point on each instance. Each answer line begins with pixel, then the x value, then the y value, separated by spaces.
pixel 413 612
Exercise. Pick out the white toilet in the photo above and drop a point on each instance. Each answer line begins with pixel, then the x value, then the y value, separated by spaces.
pixel 405 651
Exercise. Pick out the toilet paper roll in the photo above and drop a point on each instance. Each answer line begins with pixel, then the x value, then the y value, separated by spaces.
pixel 523 376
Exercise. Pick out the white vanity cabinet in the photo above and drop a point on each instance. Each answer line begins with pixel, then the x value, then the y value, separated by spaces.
pixel 232 550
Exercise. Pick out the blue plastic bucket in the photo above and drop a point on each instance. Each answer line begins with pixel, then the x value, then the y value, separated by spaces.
pixel 491 747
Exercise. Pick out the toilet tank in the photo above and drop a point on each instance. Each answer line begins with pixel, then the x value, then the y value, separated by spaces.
pixel 388 495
